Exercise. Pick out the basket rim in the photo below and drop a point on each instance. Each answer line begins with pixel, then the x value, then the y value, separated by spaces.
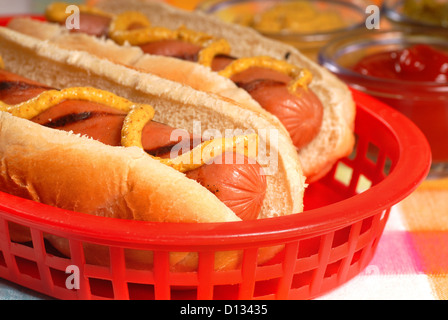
pixel 410 170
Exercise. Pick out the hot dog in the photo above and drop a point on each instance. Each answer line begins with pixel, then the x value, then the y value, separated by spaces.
pixel 104 123
pixel 300 110
pixel 54 142
pixel 312 114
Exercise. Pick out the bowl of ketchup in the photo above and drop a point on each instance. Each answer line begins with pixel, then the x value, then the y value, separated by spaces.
pixel 408 70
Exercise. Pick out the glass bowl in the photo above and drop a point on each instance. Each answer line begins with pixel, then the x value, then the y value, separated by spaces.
pixel 425 103
pixel 430 13
pixel 307 25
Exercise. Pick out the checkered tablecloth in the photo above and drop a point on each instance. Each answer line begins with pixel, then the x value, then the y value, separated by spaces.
pixel 411 261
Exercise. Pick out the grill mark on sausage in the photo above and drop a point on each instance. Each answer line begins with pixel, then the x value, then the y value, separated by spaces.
pixel 255 84
pixel 187 57
pixel 75 117
pixel 72 118
pixel 164 152
pixel 6 86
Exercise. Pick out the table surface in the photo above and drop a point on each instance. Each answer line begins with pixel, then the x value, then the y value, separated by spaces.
pixel 411 261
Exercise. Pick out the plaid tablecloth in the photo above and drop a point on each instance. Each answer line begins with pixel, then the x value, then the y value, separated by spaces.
pixel 411 261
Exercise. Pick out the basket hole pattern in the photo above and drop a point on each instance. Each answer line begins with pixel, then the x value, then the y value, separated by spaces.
pixel 372 152
pixel 376 165
pixel 30 264
pixel 350 251
pixel 305 267
pixel 344 174
pixel 387 166
pixel 101 288
pixel 2 260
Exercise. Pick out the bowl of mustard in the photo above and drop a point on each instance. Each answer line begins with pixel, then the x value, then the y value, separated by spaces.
pixel 305 24
pixel 420 13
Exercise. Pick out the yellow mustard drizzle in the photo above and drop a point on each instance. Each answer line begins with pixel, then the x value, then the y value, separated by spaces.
pixel 195 37
pixel 123 21
pixel 135 121
pixel 47 99
pixel 300 77
pixel 118 29
pixel 246 145
pixel 131 134
pixel 56 11
pixel 141 36
pixel 138 115
pixel 119 32
pixel 216 47
pixel 145 33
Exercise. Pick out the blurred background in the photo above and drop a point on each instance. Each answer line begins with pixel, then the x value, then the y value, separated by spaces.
pixel 25 6
pixel 20 6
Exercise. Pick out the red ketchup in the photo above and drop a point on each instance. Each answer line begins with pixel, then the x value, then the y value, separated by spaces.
pixel 417 63
pixel 427 108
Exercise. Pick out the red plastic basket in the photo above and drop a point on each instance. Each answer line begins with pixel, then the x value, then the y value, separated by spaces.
pixel 324 247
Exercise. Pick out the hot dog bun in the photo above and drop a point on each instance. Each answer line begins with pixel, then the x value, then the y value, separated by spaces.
pixel 335 138
pixel 175 104
pixel 194 75
pixel 127 182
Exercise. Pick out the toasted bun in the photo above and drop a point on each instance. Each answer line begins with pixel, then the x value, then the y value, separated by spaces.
pixel 175 104
pixel 192 74
pixel 126 182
